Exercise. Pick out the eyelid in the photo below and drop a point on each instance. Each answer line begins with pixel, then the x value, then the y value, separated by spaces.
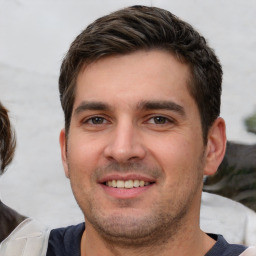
pixel 87 119
pixel 168 119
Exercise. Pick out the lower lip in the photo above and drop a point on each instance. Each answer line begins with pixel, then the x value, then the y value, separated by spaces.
pixel 125 193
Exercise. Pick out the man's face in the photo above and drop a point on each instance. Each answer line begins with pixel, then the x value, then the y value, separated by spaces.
pixel 135 154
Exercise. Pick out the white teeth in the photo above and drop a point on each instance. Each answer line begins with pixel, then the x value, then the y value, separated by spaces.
pixel 136 183
pixel 127 183
pixel 120 184
pixel 114 185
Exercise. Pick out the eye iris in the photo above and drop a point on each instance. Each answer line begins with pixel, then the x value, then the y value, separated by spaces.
pixel 97 120
pixel 159 120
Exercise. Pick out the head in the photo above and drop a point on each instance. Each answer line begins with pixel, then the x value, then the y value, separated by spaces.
pixel 141 91
pixel 7 139
pixel 144 28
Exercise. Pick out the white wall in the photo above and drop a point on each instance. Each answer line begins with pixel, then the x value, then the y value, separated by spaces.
pixel 34 35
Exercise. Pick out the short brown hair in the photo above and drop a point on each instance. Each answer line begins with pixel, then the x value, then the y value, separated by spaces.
pixel 7 139
pixel 144 28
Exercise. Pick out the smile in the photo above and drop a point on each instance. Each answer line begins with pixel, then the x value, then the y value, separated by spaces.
pixel 127 183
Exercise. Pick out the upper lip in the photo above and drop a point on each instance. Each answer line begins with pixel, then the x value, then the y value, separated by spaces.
pixel 130 176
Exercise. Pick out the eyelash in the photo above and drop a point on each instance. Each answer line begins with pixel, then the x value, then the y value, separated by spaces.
pixel 90 120
pixel 163 120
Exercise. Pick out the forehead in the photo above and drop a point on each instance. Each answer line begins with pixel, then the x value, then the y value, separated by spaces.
pixel 142 75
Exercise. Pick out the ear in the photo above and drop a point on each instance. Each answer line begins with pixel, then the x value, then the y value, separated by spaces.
pixel 63 148
pixel 216 146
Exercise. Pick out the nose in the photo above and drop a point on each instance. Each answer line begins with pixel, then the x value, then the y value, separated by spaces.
pixel 125 144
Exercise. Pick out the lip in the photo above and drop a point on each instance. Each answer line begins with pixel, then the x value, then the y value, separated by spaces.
pixel 125 193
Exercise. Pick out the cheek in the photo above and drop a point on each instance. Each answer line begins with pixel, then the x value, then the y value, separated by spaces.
pixel 83 156
pixel 179 158
pixel 170 152
pixel 81 163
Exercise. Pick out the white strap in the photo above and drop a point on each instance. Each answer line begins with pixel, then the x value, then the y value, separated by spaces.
pixel 29 238
pixel 251 251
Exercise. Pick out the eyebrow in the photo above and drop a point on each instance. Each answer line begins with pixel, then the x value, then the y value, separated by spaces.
pixel 162 105
pixel 143 105
pixel 95 105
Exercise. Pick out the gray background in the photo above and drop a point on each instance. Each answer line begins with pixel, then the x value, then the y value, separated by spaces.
pixel 34 35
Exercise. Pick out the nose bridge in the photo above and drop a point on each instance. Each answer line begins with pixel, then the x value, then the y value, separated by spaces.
pixel 125 142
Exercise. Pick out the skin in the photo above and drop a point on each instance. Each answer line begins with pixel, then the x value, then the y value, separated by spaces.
pixel 133 118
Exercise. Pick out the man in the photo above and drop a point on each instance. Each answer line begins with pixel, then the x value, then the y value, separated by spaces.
pixel 140 90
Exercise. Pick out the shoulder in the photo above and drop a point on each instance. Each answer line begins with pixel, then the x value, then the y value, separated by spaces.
pixel 9 220
pixel 66 232
pixel 224 216
pixel 251 251
pixel 65 241
pixel 223 248
pixel 217 201
pixel 29 236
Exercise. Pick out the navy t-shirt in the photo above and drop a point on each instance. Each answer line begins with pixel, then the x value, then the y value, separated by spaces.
pixel 66 242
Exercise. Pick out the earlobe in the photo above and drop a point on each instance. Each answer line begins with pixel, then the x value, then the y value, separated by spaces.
pixel 63 147
pixel 216 146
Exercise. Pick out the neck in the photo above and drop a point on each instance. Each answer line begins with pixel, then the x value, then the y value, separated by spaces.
pixel 190 240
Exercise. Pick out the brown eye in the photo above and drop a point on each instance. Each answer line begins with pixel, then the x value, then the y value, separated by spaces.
pixel 95 120
pixel 160 120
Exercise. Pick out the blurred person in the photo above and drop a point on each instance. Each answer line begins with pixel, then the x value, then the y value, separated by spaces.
pixel 221 215
pixel 9 219
pixel 236 176
pixel 17 232
pixel 235 179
